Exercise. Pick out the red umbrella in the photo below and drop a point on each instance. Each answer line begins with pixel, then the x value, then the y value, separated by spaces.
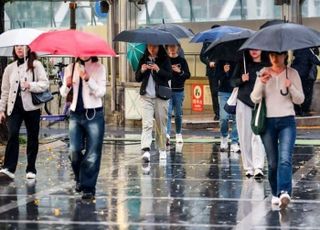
pixel 71 43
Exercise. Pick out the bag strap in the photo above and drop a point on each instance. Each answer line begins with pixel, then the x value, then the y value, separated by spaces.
pixel 72 72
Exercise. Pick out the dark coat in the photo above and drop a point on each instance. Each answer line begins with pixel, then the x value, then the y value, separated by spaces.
pixel 303 61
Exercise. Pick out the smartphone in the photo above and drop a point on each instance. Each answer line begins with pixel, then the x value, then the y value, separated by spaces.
pixel 150 62
pixel 178 65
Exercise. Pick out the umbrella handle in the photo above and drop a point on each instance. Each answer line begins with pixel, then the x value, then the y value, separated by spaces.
pixel 284 93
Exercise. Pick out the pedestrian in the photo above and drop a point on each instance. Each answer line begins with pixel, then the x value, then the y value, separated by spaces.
pixel 23 76
pixel 224 71
pixel 251 146
pixel 281 87
pixel 210 73
pixel 154 70
pixel 86 80
pixel 180 73
pixel 305 62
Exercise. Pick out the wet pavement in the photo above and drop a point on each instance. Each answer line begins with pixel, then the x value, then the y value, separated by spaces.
pixel 197 187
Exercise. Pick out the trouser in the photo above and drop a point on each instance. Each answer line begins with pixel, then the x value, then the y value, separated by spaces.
pixel 279 139
pixel 32 122
pixel 158 109
pixel 86 166
pixel 252 150
pixel 214 96
pixel 175 103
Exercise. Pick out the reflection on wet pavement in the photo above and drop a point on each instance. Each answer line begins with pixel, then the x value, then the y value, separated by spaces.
pixel 197 187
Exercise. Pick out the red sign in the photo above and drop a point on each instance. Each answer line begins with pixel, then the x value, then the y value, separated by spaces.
pixel 197 97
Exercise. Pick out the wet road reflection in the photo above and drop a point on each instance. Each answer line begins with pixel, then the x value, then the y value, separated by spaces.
pixel 196 187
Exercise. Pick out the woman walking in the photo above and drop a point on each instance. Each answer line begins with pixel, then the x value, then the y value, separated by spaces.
pixel 154 70
pixel 252 150
pixel 281 87
pixel 22 77
pixel 87 79
pixel 180 73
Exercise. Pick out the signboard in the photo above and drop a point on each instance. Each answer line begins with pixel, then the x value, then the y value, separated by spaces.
pixel 197 97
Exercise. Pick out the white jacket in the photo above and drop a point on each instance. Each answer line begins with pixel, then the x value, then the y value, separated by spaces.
pixel 13 74
pixel 93 90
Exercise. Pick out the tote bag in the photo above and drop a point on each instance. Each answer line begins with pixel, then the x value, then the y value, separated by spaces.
pixel 230 106
pixel 258 121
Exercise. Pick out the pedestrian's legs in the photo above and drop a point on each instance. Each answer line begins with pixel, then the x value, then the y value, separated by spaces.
pixel 170 114
pixel 234 132
pixel 32 122
pixel 243 117
pixel 76 134
pixel 178 110
pixel 287 137
pixel 12 149
pixel 308 92
pixel 270 142
pixel 214 96
pixel 160 113
pixel 147 113
pixel 224 116
pixel 258 152
pixel 90 165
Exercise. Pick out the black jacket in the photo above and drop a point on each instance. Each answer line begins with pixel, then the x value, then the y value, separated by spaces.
pixel 245 88
pixel 206 60
pixel 303 61
pixel 223 79
pixel 178 79
pixel 160 78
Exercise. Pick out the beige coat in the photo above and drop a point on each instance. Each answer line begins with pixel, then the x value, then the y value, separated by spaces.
pixel 13 74
pixel 92 90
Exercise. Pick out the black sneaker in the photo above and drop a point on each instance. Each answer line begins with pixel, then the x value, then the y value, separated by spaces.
pixel 88 196
pixel 78 187
pixel 216 118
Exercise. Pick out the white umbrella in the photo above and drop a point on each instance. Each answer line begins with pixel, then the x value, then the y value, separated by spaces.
pixel 22 36
pixel 10 38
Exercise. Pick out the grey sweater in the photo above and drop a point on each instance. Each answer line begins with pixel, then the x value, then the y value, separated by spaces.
pixel 277 104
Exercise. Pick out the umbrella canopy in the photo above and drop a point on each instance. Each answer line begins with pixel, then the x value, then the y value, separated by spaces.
pixel 22 36
pixel 283 37
pixel 134 54
pixel 227 45
pixel 71 43
pixel 146 36
pixel 216 33
pixel 177 30
pixel 272 22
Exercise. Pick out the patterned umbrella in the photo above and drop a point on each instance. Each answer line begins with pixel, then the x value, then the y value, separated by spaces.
pixel 134 53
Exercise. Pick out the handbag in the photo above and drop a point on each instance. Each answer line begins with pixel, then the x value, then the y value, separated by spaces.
pixel 258 120
pixel 163 92
pixel 230 106
pixel 42 97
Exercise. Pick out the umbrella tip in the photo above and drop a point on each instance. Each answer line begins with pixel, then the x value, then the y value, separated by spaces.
pixel 163 21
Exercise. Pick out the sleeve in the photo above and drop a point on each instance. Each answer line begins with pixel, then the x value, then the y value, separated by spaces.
pixel 185 74
pixel 236 78
pixel 257 92
pixel 314 59
pixel 204 58
pixel 5 87
pixel 64 90
pixel 139 75
pixel 295 89
pixel 97 83
pixel 41 82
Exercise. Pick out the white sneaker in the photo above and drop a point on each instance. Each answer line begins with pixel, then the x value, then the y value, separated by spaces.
pixel 179 138
pixel 249 173
pixel 284 200
pixel 275 200
pixel 167 139
pixel 162 154
pixel 7 173
pixel 146 156
pixel 224 144
pixel 235 148
pixel 179 147
pixel 258 174
pixel 31 175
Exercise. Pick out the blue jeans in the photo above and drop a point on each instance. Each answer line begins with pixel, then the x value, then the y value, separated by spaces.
pixel 225 117
pixel 86 135
pixel 279 139
pixel 175 103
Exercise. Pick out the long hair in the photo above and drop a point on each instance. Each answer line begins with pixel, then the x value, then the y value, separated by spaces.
pixel 162 54
pixel 31 56
pixel 264 58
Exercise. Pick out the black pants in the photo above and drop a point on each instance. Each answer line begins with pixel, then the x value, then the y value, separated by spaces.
pixel 307 86
pixel 32 122
pixel 214 95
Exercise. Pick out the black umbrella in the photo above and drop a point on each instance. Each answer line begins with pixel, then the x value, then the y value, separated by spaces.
pixel 147 36
pixel 283 37
pixel 227 45
pixel 177 30
pixel 271 23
